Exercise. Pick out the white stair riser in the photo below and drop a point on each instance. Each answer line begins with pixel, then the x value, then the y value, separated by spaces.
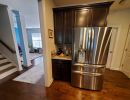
pixel 5 66
pixel 1 56
pixel 3 61
pixel 9 72
pixel 3 75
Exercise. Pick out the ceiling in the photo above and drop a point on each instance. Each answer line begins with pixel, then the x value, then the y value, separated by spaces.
pixel 27 8
pixel 125 4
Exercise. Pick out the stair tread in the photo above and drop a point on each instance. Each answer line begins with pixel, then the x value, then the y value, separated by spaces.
pixel 7 69
pixel 2 58
pixel 5 64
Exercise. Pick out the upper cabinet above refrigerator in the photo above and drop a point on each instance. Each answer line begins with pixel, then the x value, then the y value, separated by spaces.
pixel 66 18
pixel 63 26
pixel 83 17
pixel 91 17
pixel 58 27
pixel 99 16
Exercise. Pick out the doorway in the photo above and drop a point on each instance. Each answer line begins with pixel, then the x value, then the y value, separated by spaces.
pixel 19 37
pixel 114 33
pixel 30 49
pixel 125 64
pixel 34 43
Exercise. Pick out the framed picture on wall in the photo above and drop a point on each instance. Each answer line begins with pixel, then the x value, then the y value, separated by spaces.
pixel 50 33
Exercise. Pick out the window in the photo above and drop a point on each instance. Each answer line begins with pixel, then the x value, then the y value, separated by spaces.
pixel 36 40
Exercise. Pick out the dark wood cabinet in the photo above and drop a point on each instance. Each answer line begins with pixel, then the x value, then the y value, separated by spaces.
pixel 61 69
pixel 91 17
pixel 58 27
pixel 68 26
pixel 83 17
pixel 63 26
pixel 99 16
pixel 67 18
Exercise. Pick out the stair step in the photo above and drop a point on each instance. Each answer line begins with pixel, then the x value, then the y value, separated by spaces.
pixel 5 66
pixel 3 61
pixel 2 58
pixel 8 71
pixel 6 63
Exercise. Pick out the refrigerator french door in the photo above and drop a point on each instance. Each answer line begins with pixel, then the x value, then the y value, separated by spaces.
pixel 90 51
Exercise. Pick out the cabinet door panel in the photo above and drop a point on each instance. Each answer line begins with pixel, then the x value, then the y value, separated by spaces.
pixel 67 71
pixel 56 70
pixel 68 27
pixel 99 16
pixel 61 70
pixel 58 27
pixel 83 18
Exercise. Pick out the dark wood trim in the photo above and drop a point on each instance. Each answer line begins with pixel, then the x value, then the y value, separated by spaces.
pixel 95 5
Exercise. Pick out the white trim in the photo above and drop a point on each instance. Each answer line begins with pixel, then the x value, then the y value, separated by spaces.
pixel 33 27
pixel 122 58
pixel 124 53
pixel 49 83
pixel 24 33
pixel 19 64
pixel 126 73
pixel 112 67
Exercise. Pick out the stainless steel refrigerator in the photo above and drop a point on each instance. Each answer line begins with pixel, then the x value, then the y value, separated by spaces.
pixel 90 51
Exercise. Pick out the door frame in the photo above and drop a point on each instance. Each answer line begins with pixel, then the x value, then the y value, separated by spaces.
pixel 125 48
pixel 116 38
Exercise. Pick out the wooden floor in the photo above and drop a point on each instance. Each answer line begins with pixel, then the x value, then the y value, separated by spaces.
pixel 116 87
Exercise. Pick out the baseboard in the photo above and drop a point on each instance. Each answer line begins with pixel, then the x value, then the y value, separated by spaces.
pixel 48 84
pixel 118 69
pixel 126 73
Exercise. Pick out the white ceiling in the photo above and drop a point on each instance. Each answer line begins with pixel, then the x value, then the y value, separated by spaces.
pixel 116 5
pixel 28 8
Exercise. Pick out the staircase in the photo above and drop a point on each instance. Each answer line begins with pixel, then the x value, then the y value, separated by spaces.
pixel 6 67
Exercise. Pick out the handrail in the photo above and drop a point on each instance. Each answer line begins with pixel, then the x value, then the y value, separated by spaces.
pixel 4 44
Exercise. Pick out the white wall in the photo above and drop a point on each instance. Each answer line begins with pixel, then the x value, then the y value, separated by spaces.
pixel 5 28
pixel 46 18
pixel 29 8
pixel 121 19
pixel 7 35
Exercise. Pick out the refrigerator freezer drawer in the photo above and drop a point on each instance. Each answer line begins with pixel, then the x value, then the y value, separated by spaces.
pixel 89 68
pixel 87 81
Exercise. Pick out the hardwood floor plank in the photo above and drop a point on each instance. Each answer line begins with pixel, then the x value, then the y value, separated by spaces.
pixel 116 87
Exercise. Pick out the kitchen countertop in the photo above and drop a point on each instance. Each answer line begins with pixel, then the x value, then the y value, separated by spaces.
pixel 62 58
